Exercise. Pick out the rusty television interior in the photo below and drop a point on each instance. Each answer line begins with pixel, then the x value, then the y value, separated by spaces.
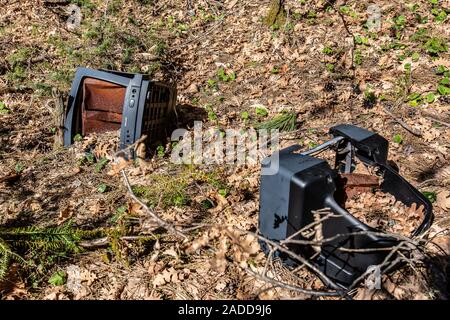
pixel 102 101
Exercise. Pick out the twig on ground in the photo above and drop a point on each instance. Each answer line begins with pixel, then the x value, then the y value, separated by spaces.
pixel 169 227
pixel 402 123
pixel 277 283
pixel 104 241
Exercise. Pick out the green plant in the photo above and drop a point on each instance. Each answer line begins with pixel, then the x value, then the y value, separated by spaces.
pixel 39 245
pixel 78 137
pixel 223 192
pixel 435 45
pixel 430 195
pixel 415 56
pixel 407 67
pixel 245 115
pixel 370 99
pixel 348 11
pixel 445 81
pixel 17 74
pixel 439 15
pixel 58 278
pixel 361 40
pixel 160 151
pixel 164 192
pixel 212 83
pixel 101 164
pixel 212 116
pixel 398 139
pixel 261 111
pixel 161 48
pixel 120 212
pixel 442 70
pixel 358 57
pixel 102 188
pixel 330 67
pixel 19 167
pixel 430 98
pixel 328 51
pixel 226 76
pixel 443 90
pixel 3 108
pixel 400 21
pixel 275 70
pixel 414 99
pixel 284 122
pixel 19 57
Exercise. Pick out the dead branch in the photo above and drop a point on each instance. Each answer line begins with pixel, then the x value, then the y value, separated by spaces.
pixel 105 241
pixel 402 123
pixel 161 222
pixel 277 283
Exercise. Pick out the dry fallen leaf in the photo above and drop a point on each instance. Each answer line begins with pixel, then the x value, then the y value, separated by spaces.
pixel 443 200
pixel 117 167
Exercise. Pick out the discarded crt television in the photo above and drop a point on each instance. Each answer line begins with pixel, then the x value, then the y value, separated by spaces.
pixel 305 183
pixel 103 100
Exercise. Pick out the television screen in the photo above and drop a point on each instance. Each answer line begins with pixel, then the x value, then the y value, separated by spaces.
pixel 101 106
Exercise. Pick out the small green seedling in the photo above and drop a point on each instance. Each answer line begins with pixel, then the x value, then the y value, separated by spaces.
pixel 358 57
pixel 261 111
pixel 430 196
pixel 370 99
pixel 120 212
pixel 212 83
pixel 226 76
pixel 58 278
pixel 101 164
pixel 400 22
pixel 443 90
pixel 275 70
pixel 330 67
pixel 312 145
pixel 19 167
pixel 245 115
pixel 160 151
pixel 3 108
pixel 398 139
pixel 435 45
pixel 361 40
pixel 441 69
pixel 328 51
pixel 414 99
pixel 445 81
pixel 102 188
pixel 78 137
pixel 430 98
pixel 223 192
pixel 212 116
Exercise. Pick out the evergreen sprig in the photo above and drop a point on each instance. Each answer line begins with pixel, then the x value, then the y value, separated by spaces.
pixel 39 242
pixel 283 122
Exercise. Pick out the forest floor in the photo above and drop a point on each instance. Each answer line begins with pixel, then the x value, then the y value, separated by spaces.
pixel 325 61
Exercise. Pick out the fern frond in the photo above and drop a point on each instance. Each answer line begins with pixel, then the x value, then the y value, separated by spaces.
pixel 6 256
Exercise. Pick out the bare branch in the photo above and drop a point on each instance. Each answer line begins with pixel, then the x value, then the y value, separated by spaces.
pixel 161 222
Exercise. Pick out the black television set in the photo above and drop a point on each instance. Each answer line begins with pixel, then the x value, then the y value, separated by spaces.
pixel 103 100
